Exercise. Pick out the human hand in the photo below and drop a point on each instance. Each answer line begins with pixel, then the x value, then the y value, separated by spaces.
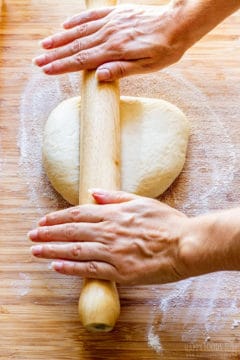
pixel 127 238
pixel 117 41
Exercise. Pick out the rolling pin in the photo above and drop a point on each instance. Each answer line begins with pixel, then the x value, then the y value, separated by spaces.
pixel 99 305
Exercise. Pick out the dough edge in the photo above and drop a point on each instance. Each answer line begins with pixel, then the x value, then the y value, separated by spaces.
pixel 151 181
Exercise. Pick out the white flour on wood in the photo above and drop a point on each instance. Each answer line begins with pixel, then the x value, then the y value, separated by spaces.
pixel 22 285
pixel 219 299
pixel 207 186
pixel 40 96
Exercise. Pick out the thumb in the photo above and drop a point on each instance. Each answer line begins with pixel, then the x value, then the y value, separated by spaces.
pixel 116 70
pixel 111 197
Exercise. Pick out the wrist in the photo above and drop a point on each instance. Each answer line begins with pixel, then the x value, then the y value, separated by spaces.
pixel 211 243
pixel 195 19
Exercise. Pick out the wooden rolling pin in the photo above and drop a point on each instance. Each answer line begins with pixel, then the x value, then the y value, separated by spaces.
pixel 99 305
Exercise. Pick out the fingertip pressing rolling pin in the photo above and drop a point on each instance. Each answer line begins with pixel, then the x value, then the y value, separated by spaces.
pixel 99 305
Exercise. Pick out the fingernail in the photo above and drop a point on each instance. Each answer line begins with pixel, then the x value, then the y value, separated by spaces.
pixel 96 191
pixel 36 250
pixel 42 221
pixel 57 265
pixel 47 68
pixel 46 43
pixel 34 61
pixel 66 22
pixel 39 60
pixel 33 234
pixel 103 74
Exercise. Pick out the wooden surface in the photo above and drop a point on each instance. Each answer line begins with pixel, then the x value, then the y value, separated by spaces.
pixel 197 318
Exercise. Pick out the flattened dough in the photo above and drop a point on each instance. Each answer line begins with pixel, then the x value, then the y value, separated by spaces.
pixel 154 137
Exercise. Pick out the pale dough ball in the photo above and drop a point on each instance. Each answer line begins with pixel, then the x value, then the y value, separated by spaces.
pixel 154 136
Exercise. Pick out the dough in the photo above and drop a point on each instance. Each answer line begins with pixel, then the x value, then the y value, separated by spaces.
pixel 154 136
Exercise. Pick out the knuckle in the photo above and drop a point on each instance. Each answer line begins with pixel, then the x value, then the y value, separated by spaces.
pixel 81 30
pixel 76 46
pixel 70 231
pixel 120 70
pixel 76 250
pixel 92 268
pixel 128 219
pixel 82 58
pixel 75 214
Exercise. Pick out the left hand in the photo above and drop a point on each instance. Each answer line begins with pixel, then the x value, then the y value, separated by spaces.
pixel 117 41
pixel 127 238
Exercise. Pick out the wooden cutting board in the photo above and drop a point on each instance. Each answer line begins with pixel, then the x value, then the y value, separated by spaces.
pixel 196 318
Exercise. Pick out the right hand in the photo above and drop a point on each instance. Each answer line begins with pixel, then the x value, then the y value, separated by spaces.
pixel 124 238
pixel 136 240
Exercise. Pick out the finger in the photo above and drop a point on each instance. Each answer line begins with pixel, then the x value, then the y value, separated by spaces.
pixel 111 197
pixel 84 213
pixel 74 251
pixel 86 16
pixel 68 50
pixel 84 60
pixel 65 232
pixel 117 69
pixel 92 269
pixel 93 57
pixel 65 37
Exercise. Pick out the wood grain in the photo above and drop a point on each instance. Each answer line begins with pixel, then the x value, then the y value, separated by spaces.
pixel 38 308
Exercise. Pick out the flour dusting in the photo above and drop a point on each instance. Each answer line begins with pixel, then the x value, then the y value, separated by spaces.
pixel 21 286
pixel 41 95
pixel 235 324
pixel 208 185
pixel 154 340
